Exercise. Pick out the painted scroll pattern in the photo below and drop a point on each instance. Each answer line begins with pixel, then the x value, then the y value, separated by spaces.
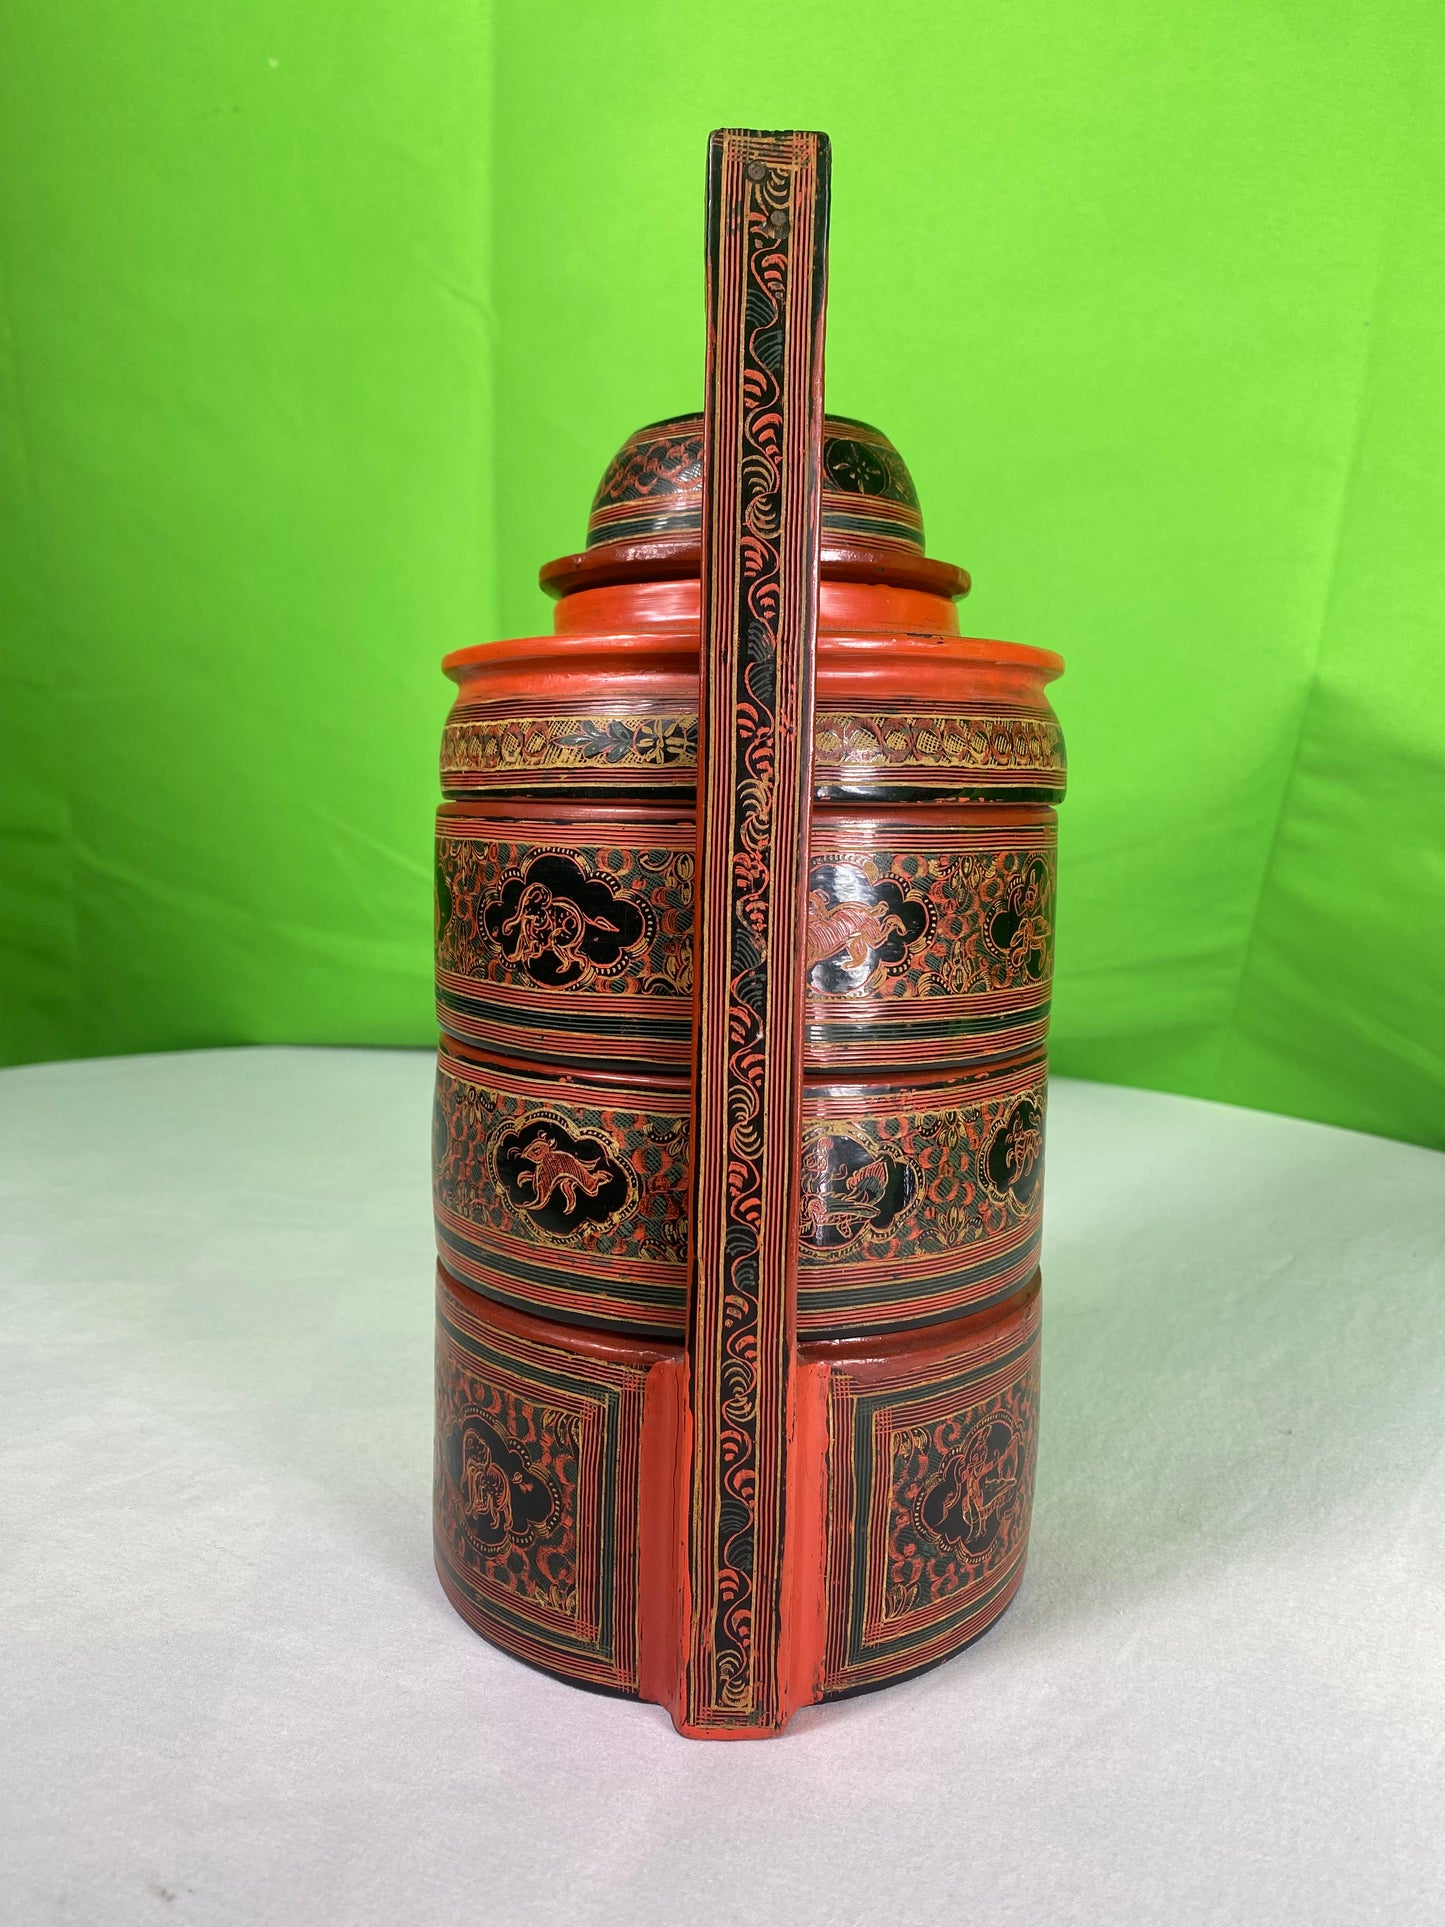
pixel 571 1201
pixel 484 745
pixel 913 1179
pixel 617 920
pixel 653 486
pixel 949 750
pixel 563 946
pixel 995 743
pixel 506 1487
pixel 961 1491
pixel 766 242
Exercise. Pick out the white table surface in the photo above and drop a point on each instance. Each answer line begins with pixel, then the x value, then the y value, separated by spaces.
pixel 233 1691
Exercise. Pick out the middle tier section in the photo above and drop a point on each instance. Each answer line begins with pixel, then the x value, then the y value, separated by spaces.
pixel 564 1192
pixel 564 935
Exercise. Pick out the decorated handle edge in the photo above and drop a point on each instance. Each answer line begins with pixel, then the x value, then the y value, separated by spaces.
pixel 767 226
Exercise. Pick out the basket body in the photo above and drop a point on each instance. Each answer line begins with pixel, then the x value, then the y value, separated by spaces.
pixel 566 878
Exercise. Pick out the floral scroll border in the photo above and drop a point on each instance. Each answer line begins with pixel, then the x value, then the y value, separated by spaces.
pixel 868 747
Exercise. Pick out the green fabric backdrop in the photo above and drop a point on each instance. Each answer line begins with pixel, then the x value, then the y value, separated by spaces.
pixel 320 321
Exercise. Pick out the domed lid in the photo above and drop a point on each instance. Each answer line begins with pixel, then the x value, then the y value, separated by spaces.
pixel 653 486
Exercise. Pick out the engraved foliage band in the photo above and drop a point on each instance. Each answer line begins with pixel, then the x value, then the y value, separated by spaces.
pixel 988 751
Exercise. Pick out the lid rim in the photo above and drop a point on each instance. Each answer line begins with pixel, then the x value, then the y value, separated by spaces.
pixel 665 558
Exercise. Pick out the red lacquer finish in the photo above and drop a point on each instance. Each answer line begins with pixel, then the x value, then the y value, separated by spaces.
pixel 738 1285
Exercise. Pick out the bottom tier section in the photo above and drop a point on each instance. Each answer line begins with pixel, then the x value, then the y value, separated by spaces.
pixel 561 1471
pixel 930 1481
pixel 541 1498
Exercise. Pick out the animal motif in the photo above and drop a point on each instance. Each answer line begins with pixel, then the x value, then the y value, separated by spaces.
pixel 1030 939
pixel 502 1499
pixel 963 1504
pixel 485 1491
pixel 554 1170
pixel 546 924
pixel 837 1200
pixel 849 932
pixel 1020 926
pixel 1023 1147
pixel 1014 1156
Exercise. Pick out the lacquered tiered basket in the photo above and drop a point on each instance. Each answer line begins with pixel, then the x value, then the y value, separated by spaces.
pixel 739 1134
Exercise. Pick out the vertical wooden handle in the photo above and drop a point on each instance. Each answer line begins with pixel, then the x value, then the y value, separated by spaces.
pixel 767 231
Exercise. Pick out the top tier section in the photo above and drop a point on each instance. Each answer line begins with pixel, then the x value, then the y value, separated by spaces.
pixel 653 487
pixel 646 520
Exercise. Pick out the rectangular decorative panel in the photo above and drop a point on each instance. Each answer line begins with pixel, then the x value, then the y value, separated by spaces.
pixel 536 1477
pixel 931 1472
